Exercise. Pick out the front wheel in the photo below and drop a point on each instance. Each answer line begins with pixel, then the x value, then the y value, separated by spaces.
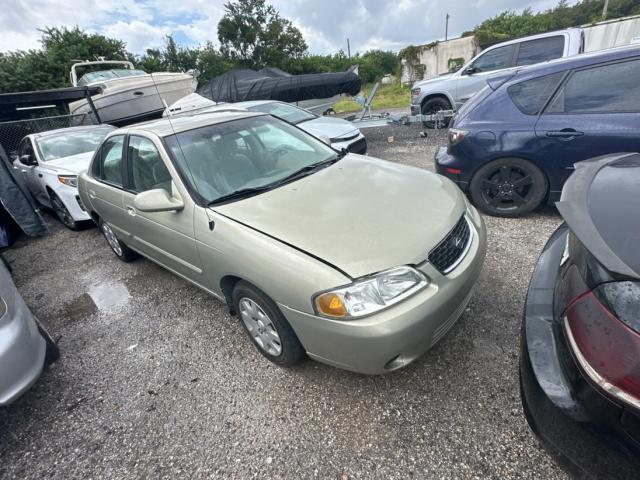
pixel 434 105
pixel 123 252
pixel 63 214
pixel 508 187
pixel 269 331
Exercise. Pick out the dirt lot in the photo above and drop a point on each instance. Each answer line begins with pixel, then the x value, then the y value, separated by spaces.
pixel 157 380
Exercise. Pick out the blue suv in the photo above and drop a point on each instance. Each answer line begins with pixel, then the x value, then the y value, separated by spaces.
pixel 513 145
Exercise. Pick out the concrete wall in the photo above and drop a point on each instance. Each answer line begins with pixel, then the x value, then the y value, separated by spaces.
pixel 612 33
pixel 434 58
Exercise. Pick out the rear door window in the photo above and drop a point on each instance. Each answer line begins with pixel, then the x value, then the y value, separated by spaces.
pixel 109 162
pixel 495 59
pixel 531 96
pixel 540 50
pixel 610 88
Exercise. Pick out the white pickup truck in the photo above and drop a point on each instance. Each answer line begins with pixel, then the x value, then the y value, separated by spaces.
pixel 451 90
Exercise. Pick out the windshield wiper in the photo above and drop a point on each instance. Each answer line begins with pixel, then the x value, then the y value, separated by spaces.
pixel 238 194
pixel 307 170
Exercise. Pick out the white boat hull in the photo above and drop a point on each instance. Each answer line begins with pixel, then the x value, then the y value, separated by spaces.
pixel 129 99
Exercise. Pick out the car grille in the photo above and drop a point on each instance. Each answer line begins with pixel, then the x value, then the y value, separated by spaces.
pixel 358 147
pixel 450 251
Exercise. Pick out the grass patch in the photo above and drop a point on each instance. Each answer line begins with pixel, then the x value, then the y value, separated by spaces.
pixel 393 95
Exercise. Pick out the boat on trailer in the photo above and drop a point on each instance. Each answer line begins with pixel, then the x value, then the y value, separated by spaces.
pixel 126 94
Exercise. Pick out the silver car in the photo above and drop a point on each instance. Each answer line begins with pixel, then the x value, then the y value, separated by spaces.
pixel 25 345
pixel 356 262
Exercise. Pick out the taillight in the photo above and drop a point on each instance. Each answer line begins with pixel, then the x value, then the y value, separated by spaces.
pixel 603 341
pixel 456 136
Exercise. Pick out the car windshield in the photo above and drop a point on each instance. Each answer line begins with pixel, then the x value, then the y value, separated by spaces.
pixel 284 111
pixel 67 144
pixel 247 155
pixel 102 75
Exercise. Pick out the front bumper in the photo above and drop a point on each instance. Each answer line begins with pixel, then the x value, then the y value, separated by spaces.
pixel 587 432
pixel 354 145
pixel 71 200
pixel 445 161
pixel 415 109
pixel 397 336
pixel 22 350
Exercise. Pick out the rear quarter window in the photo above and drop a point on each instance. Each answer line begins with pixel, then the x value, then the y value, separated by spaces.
pixel 540 50
pixel 531 95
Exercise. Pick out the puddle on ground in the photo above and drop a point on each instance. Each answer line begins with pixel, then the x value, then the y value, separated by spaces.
pixel 104 297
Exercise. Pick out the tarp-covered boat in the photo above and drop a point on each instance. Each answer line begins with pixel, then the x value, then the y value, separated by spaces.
pixel 274 84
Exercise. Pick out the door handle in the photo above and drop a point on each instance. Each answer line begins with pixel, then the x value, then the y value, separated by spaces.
pixel 568 133
pixel 131 211
pixel 138 93
pixel 92 194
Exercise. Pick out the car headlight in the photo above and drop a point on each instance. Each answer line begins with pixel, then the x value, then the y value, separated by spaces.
pixel 415 92
pixel 69 180
pixel 371 294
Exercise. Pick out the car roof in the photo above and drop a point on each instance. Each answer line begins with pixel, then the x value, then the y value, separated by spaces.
pixel 526 38
pixel 171 125
pixel 58 131
pixel 577 61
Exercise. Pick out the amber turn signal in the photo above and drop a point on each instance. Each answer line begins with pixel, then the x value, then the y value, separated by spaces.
pixel 331 305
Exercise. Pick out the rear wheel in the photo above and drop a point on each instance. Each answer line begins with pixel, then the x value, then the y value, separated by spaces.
pixel 434 105
pixel 508 187
pixel 269 331
pixel 123 252
pixel 62 213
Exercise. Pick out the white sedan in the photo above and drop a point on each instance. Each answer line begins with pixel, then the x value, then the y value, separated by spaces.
pixel 50 163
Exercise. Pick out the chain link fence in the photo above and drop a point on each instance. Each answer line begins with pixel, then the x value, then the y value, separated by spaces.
pixel 13 131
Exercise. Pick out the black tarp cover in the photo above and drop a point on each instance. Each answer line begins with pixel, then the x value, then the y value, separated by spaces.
pixel 274 84
pixel 17 200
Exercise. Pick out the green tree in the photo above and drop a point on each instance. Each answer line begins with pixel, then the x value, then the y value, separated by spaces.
pixel 254 35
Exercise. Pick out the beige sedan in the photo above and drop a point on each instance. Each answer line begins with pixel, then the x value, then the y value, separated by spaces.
pixel 356 262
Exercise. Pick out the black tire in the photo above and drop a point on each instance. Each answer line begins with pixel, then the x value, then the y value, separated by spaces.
pixel 292 351
pixel 62 212
pixel 508 187
pixel 52 352
pixel 117 246
pixel 433 105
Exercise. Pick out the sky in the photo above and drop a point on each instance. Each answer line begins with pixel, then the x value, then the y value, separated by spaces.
pixel 325 24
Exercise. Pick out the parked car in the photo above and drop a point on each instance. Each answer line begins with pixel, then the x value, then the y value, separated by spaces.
pixel 335 131
pixel 514 145
pixel 580 348
pixel 450 91
pixel 361 263
pixel 26 347
pixel 50 163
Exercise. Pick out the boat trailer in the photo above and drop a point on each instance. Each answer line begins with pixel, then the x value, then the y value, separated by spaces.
pixel 367 119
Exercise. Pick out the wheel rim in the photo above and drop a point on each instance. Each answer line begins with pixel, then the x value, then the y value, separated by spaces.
pixel 112 239
pixel 430 111
pixel 260 327
pixel 508 187
pixel 62 212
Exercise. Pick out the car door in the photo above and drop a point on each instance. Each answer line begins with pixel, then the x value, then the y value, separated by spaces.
pixel 473 77
pixel 31 173
pixel 595 111
pixel 166 237
pixel 106 185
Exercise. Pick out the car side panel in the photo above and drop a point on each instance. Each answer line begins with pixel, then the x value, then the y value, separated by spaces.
pixel 106 200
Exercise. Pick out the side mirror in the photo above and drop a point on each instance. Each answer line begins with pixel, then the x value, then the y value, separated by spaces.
pixel 470 70
pixel 27 160
pixel 157 200
pixel 325 139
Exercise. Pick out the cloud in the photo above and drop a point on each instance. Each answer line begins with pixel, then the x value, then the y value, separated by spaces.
pixel 326 25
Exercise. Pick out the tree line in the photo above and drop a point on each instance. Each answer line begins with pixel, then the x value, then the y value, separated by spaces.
pixel 252 34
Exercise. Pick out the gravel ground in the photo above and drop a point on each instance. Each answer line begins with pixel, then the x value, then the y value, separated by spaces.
pixel 157 380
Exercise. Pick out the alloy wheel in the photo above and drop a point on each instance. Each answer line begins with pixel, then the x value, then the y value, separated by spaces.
pixel 112 240
pixel 61 212
pixel 260 327
pixel 507 187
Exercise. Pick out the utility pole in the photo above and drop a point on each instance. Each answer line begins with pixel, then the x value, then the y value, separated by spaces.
pixel 604 10
pixel 348 50
pixel 446 26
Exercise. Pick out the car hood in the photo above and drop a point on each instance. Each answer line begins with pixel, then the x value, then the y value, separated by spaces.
pixel 333 128
pixel 432 81
pixel 73 164
pixel 361 215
